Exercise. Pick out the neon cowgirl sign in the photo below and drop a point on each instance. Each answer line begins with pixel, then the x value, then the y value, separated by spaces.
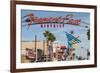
pixel 48 21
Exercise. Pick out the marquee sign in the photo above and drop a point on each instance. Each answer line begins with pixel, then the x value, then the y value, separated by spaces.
pixel 48 21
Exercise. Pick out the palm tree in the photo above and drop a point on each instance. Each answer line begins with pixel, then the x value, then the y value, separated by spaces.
pixel 50 38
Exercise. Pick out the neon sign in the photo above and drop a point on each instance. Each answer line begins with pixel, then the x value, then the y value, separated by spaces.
pixel 51 21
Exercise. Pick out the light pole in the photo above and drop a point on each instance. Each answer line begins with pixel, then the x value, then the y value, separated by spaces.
pixel 35 47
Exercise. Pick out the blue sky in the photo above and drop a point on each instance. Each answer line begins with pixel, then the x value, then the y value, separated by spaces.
pixel 29 33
